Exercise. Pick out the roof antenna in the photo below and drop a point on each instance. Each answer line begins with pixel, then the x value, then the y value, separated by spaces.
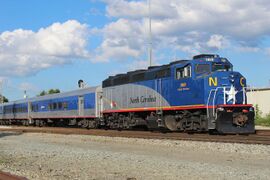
pixel 150 34
pixel 81 84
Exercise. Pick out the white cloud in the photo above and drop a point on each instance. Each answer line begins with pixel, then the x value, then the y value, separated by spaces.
pixel 122 39
pixel 217 17
pixel 217 41
pixel 28 87
pixel 188 25
pixel 140 64
pixel 25 52
pixel 139 9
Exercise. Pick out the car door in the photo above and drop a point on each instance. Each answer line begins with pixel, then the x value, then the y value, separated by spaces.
pixel 81 105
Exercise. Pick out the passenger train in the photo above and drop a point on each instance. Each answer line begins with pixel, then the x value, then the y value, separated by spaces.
pixel 199 95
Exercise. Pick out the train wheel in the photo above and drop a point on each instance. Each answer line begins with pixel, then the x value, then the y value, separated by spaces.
pixel 42 123
pixel 171 122
pixel 84 123
pixel 92 124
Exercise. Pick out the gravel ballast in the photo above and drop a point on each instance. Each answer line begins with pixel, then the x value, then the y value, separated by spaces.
pixel 51 156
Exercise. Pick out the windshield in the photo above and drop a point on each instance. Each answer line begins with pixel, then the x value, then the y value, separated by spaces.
pixel 221 67
pixel 202 68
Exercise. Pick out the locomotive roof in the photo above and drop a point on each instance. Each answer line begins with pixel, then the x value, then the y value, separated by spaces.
pixel 201 56
pixel 142 74
pixel 154 72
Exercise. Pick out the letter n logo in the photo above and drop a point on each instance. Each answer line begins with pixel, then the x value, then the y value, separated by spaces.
pixel 213 81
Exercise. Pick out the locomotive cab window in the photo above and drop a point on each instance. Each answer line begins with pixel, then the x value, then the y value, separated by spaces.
pixel 184 72
pixel 221 67
pixel 202 68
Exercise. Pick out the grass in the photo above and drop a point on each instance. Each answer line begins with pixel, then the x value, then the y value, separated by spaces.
pixel 259 120
pixel 263 121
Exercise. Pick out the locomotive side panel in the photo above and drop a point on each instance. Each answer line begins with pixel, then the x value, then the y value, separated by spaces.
pixel 133 97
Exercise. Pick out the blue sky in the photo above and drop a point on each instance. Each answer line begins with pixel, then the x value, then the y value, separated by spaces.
pixel 53 44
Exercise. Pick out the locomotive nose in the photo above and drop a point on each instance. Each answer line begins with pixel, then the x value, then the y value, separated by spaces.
pixel 226 88
pixel 229 79
pixel 237 80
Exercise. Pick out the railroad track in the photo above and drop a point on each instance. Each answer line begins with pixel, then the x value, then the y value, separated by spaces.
pixel 8 176
pixel 261 136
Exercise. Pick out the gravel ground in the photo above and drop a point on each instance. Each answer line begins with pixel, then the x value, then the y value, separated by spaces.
pixel 51 156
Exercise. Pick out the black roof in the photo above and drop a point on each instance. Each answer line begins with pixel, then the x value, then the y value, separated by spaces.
pixel 200 56
pixel 152 72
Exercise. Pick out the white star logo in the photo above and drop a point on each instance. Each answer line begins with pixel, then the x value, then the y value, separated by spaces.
pixel 231 94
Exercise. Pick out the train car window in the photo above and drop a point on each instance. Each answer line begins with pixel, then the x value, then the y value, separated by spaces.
pixel 60 105
pixel 65 105
pixel 50 106
pixel 184 72
pixel 202 68
pixel 54 106
pixel 35 108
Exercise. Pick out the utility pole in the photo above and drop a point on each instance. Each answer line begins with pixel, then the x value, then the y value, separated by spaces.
pixel 150 34
pixel 1 96
pixel 25 94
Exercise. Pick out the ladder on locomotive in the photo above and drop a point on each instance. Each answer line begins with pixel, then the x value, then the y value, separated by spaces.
pixel 159 110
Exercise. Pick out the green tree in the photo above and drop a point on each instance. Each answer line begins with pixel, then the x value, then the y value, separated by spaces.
pixel 43 93
pixel 53 91
pixel 4 99
pixel 50 91
pixel 258 113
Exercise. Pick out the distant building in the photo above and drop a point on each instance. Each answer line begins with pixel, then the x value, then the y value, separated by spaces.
pixel 261 97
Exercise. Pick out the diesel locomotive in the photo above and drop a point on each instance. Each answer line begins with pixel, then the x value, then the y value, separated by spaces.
pixel 199 95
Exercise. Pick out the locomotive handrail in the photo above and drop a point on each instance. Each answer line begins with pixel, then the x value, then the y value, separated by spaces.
pixel 208 99
pixel 213 102
pixel 224 98
pixel 214 98
pixel 244 89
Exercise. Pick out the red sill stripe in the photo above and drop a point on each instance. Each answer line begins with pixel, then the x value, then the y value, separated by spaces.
pixel 64 117
pixel 173 108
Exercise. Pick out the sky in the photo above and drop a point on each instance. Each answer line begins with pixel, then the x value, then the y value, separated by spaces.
pixel 52 44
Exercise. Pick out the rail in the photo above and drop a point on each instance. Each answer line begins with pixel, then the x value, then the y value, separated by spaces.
pixel 8 176
pixel 261 136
